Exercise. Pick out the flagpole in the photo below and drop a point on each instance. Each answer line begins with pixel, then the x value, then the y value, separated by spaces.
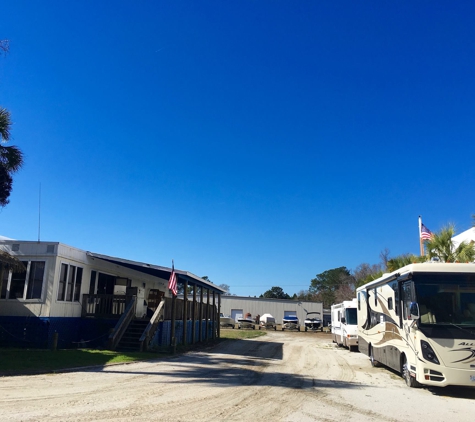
pixel 421 245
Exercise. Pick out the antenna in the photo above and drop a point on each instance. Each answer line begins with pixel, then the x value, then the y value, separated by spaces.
pixel 39 214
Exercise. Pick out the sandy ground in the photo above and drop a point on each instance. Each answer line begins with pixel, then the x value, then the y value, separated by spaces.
pixel 284 376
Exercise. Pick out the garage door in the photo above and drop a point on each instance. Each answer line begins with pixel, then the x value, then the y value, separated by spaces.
pixel 236 314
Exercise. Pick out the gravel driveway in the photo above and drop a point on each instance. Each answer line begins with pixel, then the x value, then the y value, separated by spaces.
pixel 283 376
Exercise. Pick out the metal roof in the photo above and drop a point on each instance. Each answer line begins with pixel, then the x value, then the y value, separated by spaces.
pixel 158 271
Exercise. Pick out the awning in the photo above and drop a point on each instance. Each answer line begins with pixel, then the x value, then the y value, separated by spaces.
pixel 157 271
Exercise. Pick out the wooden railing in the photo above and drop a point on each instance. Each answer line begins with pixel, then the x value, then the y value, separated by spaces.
pixel 152 327
pixel 179 310
pixel 103 305
pixel 122 324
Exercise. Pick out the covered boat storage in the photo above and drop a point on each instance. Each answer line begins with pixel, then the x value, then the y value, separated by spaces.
pixel 239 306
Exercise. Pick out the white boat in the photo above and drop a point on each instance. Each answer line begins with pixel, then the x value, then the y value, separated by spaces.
pixel 313 322
pixel 247 322
pixel 290 322
pixel 226 321
pixel 267 321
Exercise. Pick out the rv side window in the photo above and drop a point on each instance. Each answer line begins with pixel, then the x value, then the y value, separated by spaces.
pixel 407 297
pixel 339 316
pixel 396 299
pixel 390 303
pixel 395 286
pixel 375 297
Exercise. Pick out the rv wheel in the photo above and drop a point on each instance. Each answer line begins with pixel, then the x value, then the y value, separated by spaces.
pixel 373 361
pixel 406 374
pixel 254 327
pixel 283 329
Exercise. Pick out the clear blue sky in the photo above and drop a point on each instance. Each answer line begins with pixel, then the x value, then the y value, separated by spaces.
pixel 256 142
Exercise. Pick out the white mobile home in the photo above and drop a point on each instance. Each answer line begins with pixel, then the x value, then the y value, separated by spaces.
pixel 81 295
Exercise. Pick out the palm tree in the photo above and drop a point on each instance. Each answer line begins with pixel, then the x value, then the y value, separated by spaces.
pixel 11 157
pixel 441 246
pixel 403 260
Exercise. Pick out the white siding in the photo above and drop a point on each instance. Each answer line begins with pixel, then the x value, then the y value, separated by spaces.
pixel 48 305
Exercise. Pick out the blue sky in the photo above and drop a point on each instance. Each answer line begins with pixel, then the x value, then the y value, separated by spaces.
pixel 256 142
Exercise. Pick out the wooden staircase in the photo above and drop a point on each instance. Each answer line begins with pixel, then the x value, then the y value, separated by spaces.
pixel 130 340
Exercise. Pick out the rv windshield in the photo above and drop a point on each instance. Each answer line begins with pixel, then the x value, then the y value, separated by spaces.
pixel 446 298
pixel 351 316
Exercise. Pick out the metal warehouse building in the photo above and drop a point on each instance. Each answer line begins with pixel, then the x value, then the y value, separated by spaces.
pixel 239 306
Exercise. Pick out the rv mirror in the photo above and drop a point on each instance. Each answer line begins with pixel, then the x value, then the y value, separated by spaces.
pixel 343 320
pixel 414 310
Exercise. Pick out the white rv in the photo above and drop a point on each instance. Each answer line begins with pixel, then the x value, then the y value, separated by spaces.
pixel 344 324
pixel 420 321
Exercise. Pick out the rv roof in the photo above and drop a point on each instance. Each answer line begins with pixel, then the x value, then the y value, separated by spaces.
pixel 426 267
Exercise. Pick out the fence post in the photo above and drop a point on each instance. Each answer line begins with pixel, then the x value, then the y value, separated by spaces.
pixel 54 347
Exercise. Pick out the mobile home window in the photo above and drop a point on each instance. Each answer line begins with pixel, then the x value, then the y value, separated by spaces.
pixel 70 279
pixel 24 285
pixel 35 280
pixel 3 294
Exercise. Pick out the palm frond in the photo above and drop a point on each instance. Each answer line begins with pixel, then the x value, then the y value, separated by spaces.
pixel 5 123
pixel 11 158
pixel 441 246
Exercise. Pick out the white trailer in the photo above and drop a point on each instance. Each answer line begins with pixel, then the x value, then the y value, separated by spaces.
pixel 344 324
pixel 419 321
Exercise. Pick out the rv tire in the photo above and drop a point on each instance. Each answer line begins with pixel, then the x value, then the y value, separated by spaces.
pixel 373 361
pixel 406 374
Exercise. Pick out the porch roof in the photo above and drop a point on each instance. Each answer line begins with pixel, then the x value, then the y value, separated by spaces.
pixel 158 271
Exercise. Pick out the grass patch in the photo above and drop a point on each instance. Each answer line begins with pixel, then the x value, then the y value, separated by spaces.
pixel 31 361
pixel 240 334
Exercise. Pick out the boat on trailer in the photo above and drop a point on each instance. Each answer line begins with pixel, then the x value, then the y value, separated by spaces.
pixel 226 321
pixel 290 322
pixel 246 322
pixel 267 322
pixel 313 322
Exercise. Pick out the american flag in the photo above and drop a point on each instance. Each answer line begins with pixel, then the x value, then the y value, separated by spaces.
pixel 426 234
pixel 172 282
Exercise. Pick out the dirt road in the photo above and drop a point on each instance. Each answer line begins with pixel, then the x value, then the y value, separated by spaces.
pixel 284 376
